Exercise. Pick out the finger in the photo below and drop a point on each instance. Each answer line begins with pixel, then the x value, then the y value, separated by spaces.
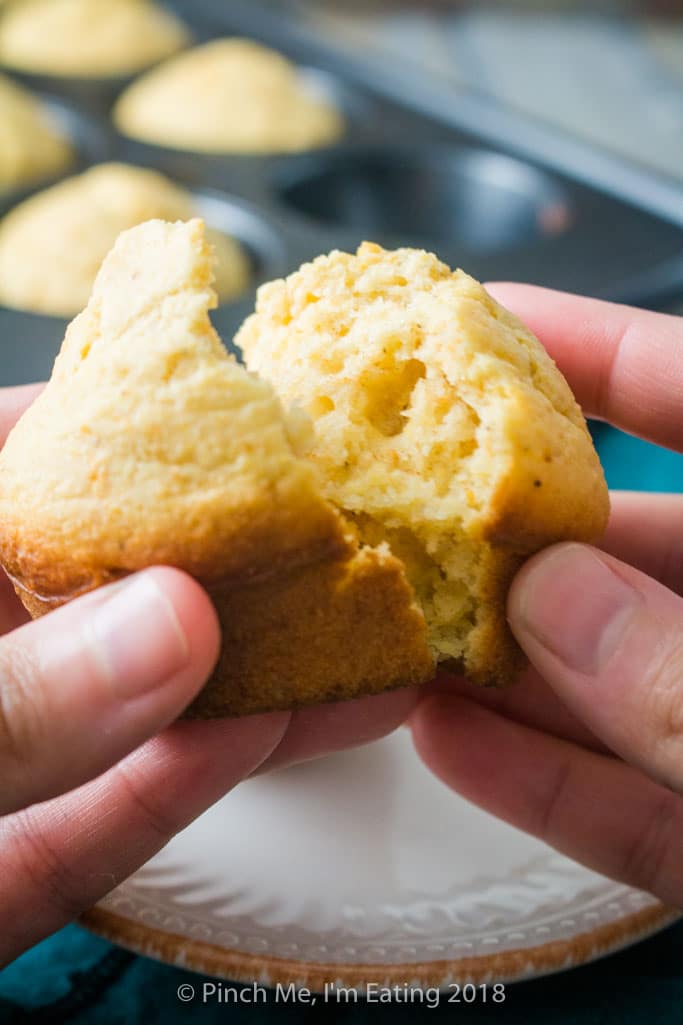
pixel 609 641
pixel 318 731
pixel 174 778
pixel 594 808
pixel 13 402
pixel 624 365
pixel 60 857
pixel 530 701
pixel 645 531
pixel 86 684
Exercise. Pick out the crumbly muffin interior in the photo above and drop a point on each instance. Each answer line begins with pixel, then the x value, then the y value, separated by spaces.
pixel 152 445
pixel 419 385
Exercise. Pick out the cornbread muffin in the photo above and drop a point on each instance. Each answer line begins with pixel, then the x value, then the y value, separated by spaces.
pixel 31 147
pixel 442 428
pixel 88 38
pixel 150 444
pixel 228 96
pixel 74 224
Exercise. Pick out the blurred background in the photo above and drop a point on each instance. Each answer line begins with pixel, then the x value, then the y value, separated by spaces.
pixel 534 140
pixel 610 72
pixel 527 140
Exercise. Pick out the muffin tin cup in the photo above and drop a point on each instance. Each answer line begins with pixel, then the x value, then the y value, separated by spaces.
pixel 93 95
pixel 452 198
pixel 396 177
pixel 252 174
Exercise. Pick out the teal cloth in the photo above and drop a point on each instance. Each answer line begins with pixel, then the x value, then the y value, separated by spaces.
pixel 632 464
pixel 640 986
pixel 76 977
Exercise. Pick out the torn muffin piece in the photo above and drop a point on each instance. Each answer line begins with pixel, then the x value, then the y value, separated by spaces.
pixel 442 428
pixel 150 444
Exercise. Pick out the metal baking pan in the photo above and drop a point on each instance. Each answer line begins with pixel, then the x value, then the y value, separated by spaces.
pixel 400 176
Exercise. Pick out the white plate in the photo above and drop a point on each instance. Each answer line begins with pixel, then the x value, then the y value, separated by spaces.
pixel 362 868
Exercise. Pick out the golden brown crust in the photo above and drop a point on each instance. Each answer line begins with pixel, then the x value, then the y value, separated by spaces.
pixel 547 496
pixel 554 488
pixel 327 632
pixel 254 542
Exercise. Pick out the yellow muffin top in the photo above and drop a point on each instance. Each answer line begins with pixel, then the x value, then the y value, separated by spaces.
pixel 419 379
pixel 230 95
pixel 89 38
pixel 31 147
pixel 442 425
pixel 150 438
pixel 52 245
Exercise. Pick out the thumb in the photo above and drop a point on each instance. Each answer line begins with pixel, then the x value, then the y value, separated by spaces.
pixel 88 683
pixel 609 641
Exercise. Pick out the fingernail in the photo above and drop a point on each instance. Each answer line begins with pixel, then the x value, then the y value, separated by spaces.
pixel 575 605
pixel 137 637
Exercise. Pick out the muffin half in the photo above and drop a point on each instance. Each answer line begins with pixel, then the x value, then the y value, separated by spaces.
pixel 442 428
pixel 150 444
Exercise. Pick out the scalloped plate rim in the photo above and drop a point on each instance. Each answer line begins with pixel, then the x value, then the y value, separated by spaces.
pixel 508 966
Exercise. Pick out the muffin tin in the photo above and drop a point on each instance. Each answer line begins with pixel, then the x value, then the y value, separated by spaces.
pixel 398 177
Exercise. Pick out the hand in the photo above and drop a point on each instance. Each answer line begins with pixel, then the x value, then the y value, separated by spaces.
pixel 81 691
pixel 586 752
